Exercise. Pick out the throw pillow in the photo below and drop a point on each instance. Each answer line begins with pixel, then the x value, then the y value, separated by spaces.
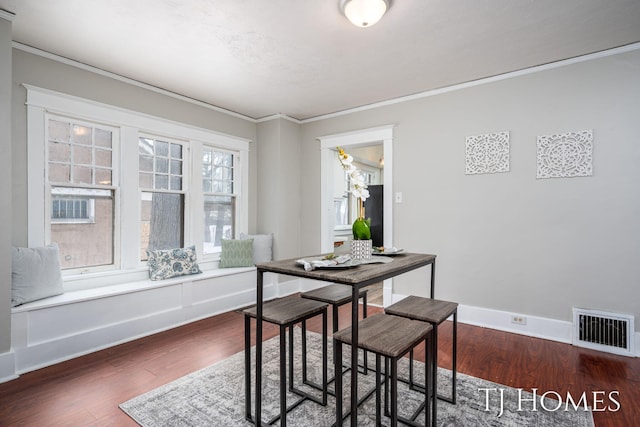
pixel 236 253
pixel 35 274
pixel 164 264
pixel 262 246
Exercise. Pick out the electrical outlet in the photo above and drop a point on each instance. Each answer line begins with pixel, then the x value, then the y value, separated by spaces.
pixel 518 320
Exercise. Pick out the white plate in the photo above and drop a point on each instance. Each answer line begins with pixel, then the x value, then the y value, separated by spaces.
pixel 348 264
pixel 388 252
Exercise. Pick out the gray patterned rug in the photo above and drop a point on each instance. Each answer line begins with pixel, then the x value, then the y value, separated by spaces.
pixel 214 396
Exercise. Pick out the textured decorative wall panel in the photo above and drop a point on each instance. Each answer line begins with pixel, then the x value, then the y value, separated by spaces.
pixel 565 155
pixel 487 153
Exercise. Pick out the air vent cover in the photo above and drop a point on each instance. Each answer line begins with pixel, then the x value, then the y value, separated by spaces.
pixel 599 330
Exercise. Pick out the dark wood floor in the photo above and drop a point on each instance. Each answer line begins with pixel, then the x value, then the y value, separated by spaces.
pixel 86 391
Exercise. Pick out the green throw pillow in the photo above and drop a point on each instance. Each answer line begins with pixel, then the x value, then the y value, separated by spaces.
pixel 236 253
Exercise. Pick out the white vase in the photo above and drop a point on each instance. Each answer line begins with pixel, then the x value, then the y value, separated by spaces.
pixel 361 249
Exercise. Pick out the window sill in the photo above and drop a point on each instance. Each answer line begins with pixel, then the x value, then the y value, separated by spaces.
pixel 75 296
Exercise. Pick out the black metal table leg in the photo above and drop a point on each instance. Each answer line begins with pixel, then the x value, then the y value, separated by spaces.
pixel 354 355
pixel 259 297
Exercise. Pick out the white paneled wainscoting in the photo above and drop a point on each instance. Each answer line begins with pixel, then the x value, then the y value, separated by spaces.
pixel 80 322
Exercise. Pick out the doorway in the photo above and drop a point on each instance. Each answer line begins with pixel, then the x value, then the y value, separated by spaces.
pixel 349 141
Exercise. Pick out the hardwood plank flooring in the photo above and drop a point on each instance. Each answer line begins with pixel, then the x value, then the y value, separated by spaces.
pixel 86 391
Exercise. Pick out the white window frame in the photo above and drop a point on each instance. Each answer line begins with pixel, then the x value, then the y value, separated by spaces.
pixel 235 194
pixel 186 181
pixel 131 124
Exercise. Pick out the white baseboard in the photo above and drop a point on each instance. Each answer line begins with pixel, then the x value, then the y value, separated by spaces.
pixel 534 326
pixel 7 366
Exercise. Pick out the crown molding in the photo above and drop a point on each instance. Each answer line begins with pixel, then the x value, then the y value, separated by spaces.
pixel 5 14
pixel 90 68
pixel 544 67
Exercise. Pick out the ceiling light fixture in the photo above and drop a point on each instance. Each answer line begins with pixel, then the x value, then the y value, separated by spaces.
pixel 364 13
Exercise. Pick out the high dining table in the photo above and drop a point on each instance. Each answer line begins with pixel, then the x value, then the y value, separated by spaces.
pixel 356 277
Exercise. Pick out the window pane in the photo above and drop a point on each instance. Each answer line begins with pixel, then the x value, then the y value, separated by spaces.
pixel 219 216
pixel 176 151
pixel 82 226
pixel 59 131
pixel 146 163
pixel 82 175
pixel 162 148
pixel 176 167
pixel 206 185
pixel 146 180
pixel 103 158
pixel 176 183
pixel 161 222
pixel 162 165
pixel 82 155
pixel 162 182
pixel 59 173
pixel 145 146
pixel 103 176
pixel 59 152
pixel 103 138
pixel 82 135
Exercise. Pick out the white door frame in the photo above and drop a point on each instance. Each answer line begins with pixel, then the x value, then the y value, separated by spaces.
pixel 353 139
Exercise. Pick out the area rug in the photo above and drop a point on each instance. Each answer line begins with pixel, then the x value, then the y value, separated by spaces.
pixel 214 396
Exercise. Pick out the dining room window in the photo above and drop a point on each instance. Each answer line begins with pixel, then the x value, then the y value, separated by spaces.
pixel 219 194
pixel 117 183
pixel 81 192
pixel 162 196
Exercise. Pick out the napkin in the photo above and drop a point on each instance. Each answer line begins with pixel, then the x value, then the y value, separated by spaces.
pixel 319 263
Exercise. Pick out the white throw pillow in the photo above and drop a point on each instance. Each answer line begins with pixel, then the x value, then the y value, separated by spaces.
pixel 262 246
pixel 35 274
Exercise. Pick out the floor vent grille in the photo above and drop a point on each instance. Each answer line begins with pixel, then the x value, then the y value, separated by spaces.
pixel 610 332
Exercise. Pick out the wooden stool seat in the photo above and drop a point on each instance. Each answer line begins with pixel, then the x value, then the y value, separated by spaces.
pixel 332 294
pixel 337 295
pixel 390 337
pixel 433 312
pixel 286 312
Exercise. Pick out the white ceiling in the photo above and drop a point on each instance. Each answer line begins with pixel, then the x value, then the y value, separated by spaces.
pixel 303 59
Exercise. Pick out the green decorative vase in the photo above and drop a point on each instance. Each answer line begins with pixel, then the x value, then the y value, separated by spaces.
pixel 361 244
pixel 361 229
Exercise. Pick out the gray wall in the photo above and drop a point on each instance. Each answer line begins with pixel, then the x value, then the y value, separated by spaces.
pixel 510 241
pixel 5 185
pixel 279 186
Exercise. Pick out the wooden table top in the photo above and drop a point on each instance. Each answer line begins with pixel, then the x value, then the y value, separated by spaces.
pixel 362 274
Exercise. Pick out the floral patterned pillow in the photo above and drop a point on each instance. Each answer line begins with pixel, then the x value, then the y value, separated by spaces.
pixel 164 264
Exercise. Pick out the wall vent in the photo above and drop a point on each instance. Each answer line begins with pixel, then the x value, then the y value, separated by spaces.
pixel 599 330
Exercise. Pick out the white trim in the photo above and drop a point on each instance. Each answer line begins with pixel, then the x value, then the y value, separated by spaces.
pixel 359 137
pixel 99 71
pixel 538 327
pixel 41 102
pixel 62 103
pixel 7 367
pixel 6 15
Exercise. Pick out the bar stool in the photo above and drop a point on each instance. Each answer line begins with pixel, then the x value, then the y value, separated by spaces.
pixel 434 312
pixel 338 295
pixel 286 312
pixel 390 337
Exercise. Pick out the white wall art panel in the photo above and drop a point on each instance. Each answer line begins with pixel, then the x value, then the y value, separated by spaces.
pixel 487 153
pixel 565 155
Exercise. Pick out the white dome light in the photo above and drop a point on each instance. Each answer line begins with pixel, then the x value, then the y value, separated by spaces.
pixel 364 13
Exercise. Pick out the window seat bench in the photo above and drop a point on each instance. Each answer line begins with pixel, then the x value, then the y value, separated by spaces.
pixel 79 322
